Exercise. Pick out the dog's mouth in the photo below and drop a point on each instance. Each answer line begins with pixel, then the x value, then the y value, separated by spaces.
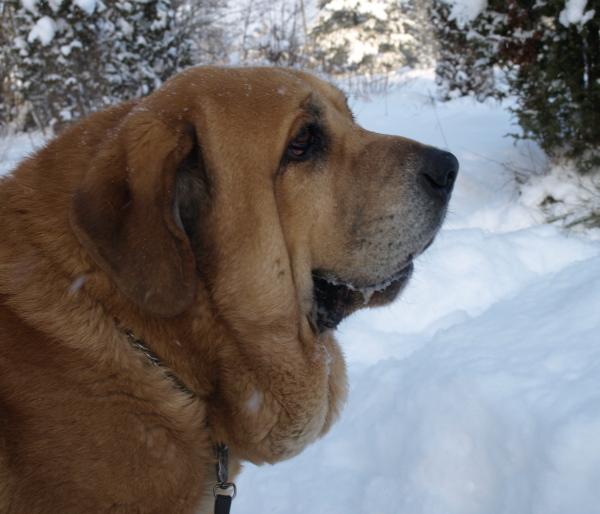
pixel 335 299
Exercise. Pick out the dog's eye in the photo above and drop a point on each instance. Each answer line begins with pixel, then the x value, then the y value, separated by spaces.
pixel 300 147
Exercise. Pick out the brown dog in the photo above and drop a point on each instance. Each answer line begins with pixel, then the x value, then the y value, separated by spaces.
pixel 171 272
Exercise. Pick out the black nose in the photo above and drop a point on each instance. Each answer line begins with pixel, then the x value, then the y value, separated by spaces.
pixel 439 172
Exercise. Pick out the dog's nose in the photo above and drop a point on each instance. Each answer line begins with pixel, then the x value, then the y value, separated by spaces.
pixel 440 171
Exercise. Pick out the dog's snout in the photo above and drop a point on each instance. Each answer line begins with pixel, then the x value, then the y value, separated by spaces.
pixel 439 172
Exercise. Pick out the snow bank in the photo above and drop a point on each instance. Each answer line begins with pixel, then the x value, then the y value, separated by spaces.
pixel 566 196
pixel 467 271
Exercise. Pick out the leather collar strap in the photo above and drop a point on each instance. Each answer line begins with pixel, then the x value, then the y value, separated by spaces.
pixel 141 346
pixel 223 503
pixel 224 491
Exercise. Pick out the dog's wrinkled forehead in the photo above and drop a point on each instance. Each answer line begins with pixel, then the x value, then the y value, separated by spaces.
pixel 306 88
pixel 329 94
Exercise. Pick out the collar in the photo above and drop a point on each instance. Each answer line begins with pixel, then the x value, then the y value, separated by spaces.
pixel 224 491
pixel 141 346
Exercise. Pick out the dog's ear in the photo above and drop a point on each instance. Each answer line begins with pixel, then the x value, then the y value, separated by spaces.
pixel 124 214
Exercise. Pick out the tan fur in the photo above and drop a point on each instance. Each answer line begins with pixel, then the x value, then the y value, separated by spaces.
pixel 91 245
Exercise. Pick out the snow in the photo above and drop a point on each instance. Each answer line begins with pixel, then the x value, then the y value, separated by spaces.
pixel 464 11
pixel 565 195
pixel 55 5
pixel 31 6
pixel 44 30
pixel 88 6
pixel 125 27
pixel 67 49
pixel 573 13
pixel 478 392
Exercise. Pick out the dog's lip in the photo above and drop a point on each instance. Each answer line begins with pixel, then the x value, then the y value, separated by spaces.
pixel 367 291
pixel 335 298
pixel 403 272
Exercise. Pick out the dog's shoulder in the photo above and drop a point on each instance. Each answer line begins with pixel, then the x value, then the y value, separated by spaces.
pixel 73 429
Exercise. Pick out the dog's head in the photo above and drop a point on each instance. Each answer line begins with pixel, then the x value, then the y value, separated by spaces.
pixel 259 183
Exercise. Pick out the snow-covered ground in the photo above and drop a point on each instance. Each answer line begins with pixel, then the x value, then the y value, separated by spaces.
pixel 478 392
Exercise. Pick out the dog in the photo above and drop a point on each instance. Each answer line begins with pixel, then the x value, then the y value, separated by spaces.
pixel 172 272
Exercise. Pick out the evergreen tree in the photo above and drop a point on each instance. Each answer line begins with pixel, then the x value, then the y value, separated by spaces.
pixel 273 32
pixel 65 58
pixel 50 71
pixel 550 54
pixel 463 65
pixel 144 50
pixel 368 36
pixel 205 23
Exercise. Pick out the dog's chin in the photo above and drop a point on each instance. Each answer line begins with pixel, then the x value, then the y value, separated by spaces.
pixel 334 299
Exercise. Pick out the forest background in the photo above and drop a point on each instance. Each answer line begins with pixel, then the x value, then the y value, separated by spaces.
pixel 62 59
